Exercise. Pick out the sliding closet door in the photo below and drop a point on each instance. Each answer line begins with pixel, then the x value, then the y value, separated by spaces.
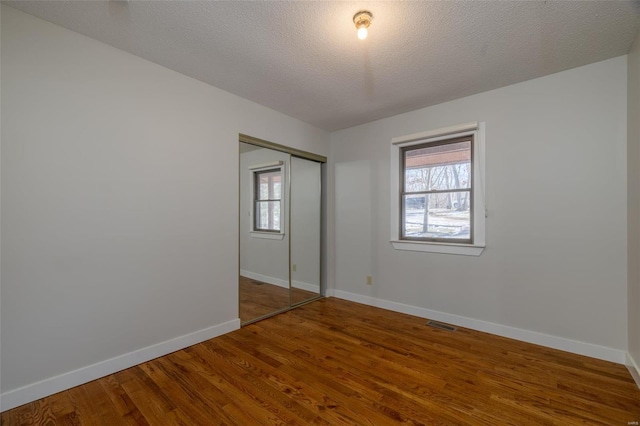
pixel 305 226
pixel 264 234
pixel 280 228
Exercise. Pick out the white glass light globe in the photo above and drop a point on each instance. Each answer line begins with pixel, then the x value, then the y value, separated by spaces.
pixel 362 33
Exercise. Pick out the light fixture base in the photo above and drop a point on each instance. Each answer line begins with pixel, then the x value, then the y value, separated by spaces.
pixel 362 19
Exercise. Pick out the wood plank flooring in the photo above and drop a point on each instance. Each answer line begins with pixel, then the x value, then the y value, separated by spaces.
pixel 334 362
pixel 258 299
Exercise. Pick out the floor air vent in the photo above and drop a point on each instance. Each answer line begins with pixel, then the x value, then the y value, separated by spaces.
pixel 441 326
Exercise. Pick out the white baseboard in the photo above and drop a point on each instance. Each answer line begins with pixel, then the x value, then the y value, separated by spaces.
pixel 35 391
pixel 555 342
pixel 264 278
pixel 314 288
pixel 280 282
pixel 633 368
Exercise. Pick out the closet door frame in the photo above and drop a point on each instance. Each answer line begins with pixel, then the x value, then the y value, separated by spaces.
pixel 307 156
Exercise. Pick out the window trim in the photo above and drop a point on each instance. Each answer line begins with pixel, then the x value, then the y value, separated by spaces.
pixel 257 200
pixel 254 171
pixel 478 243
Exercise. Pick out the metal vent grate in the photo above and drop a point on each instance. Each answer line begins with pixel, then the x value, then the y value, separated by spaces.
pixel 441 326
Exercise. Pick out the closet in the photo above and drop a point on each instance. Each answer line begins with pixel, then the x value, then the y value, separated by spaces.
pixel 280 228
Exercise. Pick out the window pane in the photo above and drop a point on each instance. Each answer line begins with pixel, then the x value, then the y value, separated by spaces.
pixel 270 185
pixel 439 167
pixel 445 215
pixel 267 215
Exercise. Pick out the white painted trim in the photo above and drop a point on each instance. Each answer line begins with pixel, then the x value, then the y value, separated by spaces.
pixel 258 167
pixel 279 282
pixel 265 278
pixel 444 248
pixel 555 342
pixel 267 235
pixel 314 288
pixel 35 391
pixel 430 134
pixel 633 368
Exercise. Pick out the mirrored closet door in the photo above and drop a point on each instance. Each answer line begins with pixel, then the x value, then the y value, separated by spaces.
pixel 305 229
pixel 280 228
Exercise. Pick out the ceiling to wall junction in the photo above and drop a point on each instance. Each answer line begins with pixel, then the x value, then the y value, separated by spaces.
pixel 304 59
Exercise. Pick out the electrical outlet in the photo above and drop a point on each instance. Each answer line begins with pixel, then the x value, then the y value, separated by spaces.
pixel 369 280
pixel 294 267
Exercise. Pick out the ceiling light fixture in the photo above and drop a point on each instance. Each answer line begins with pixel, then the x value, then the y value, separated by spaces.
pixel 362 20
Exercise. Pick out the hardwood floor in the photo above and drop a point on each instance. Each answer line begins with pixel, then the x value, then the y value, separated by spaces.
pixel 335 362
pixel 258 298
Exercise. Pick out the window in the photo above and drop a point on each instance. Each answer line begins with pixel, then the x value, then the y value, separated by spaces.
pixel 267 200
pixel 437 197
pixel 437 191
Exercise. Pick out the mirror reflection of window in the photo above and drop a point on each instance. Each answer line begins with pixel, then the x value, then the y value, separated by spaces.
pixel 279 231
pixel 268 197
pixel 263 232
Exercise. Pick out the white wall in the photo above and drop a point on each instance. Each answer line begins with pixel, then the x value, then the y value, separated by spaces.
pixel 633 200
pixel 119 204
pixel 266 260
pixel 555 261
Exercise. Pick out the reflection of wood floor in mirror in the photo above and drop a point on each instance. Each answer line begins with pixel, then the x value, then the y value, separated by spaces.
pixel 258 298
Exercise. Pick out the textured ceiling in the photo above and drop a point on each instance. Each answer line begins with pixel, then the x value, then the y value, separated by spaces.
pixel 304 59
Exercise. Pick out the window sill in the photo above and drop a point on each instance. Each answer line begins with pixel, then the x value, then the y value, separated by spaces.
pixel 267 235
pixel 444 248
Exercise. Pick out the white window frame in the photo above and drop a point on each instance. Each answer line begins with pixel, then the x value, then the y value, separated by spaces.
pixel 479 210
pixel 269 235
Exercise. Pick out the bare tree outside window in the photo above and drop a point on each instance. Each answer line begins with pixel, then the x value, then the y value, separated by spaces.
pixel 436 199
